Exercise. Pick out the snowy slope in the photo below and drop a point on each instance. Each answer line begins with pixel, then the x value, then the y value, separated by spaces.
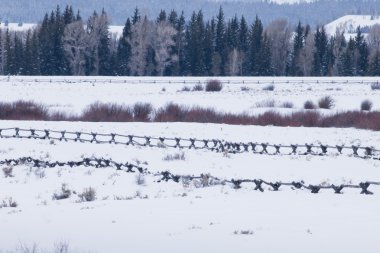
pixel 16 27
pixel 350 23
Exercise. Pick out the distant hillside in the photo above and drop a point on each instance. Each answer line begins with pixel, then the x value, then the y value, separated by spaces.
pixel 318 12
pixel 349 23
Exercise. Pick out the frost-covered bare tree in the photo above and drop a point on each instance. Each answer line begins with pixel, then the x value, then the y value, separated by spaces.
pixel 235 62
pixel 279 33
pixel 374 38
pixel 163 42
pixel 306 56
pixel 76 40
pixel 142 35
pixel 97 30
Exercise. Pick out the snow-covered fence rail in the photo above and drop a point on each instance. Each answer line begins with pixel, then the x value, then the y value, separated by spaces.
pixel 205 179
pixel 190 80
pixel 193 143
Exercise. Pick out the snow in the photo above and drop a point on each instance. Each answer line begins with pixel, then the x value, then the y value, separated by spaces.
pixel 349 24
pixel 115 30
pixel 171 217
pixel 75 94
pixel 17 27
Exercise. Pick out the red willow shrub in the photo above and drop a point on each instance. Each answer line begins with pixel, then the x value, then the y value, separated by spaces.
pixel 100 112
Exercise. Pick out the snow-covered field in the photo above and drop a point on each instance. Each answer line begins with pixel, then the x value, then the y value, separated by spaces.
pixel 138 214
pixel 73 95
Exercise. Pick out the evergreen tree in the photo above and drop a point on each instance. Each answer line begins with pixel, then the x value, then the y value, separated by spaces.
pixel 136 16
pixel 346 66
pixel 27 64
pixel 255 44
pixel 68 15
pixel 243 44
pixel 180 40
pixel 104 52
pixel 161 16
pixel 374 68
pixel 1 53
pixel 220 42
pixel 362 54
pixel 208 46
pixel 124 50
pixel 194 46
pixel 9 67
pixel 298 43
pixel 320 60
pixel 18 55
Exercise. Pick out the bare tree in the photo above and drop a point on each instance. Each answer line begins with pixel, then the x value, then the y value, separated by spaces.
pixel 374 38
pixel 279 34
pixel 235 62
pixel 140 41
pixel 97 26
pixel 163 41
pixel 76 41
pixel 306 56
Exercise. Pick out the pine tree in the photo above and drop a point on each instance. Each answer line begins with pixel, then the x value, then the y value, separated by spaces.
pixel 60 63
pixel 220 42
pixel 68 15
pixel 320 61
pixel 27 61
pixel 194 45
pixel 362 53
pixel 161 16
pixel 374 68
pixel 346 66
pixel 18 55
pixel 136 16
pixel 1 53
pixel 255 44
pixel 243 44
pixel 9 66
pixel 180 40
pixel 124 50
pixel 209 49
pixel 298 43
pixel 46 45
pixel 104 52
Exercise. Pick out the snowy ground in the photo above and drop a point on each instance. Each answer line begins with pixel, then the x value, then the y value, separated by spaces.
pixel 176 217
pixel 186 217
pixel 74 94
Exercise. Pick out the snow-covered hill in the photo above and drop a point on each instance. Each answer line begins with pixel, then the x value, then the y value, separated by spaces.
pixel 350 23
pixel 17 27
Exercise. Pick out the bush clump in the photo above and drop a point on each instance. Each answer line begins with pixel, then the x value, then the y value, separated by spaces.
pixel 99 112
pixel 142 112
pixel 198 87
pixel 88 195
pixel 375 86
pixel 326 102
pixel 366 105
pixel 309 105
pixel 214 86
pixel 269 88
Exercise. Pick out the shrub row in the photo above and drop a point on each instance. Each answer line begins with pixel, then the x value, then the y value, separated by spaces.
pixel 143 112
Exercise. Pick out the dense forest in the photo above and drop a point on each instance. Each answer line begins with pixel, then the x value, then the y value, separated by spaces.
pixel 170 45
pixel 313 13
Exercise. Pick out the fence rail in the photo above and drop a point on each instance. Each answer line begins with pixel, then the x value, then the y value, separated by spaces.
pixel 205 179
pixel 174 80
pixel 215 145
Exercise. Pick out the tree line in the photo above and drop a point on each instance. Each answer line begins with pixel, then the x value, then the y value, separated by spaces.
pixel 64 44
